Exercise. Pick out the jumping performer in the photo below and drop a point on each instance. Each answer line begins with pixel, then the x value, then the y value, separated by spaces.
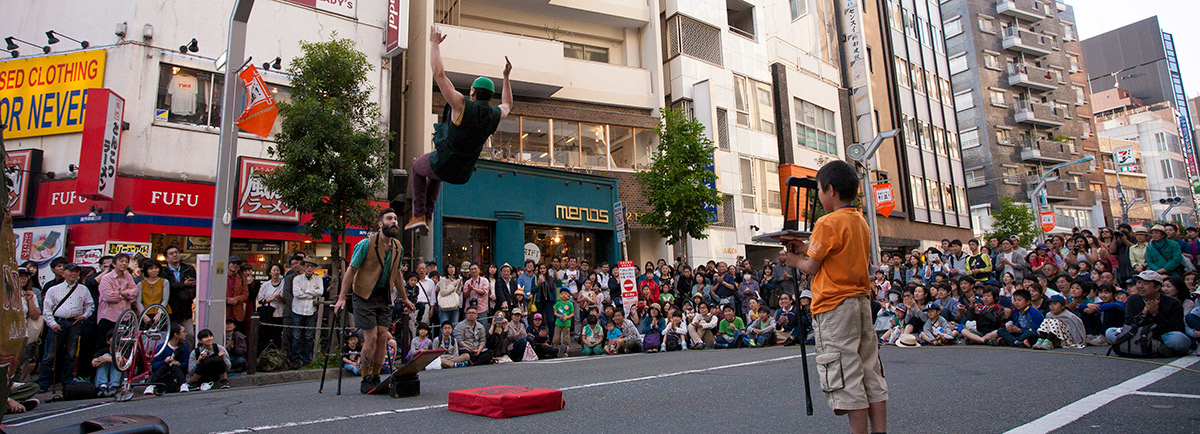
pixel 836 256
pixel 458 140
pixel 375 275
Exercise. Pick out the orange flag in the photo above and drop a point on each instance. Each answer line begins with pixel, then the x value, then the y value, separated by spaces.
pixel 261 111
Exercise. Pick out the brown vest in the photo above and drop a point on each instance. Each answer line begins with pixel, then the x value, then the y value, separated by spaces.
pixel 372 268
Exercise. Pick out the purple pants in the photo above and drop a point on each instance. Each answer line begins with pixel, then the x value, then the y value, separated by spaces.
pixel 425 187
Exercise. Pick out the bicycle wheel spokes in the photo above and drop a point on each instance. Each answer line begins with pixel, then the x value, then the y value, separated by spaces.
pixel 124 340
pixel 155 329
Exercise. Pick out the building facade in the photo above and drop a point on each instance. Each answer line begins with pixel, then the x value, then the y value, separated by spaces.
pixel 906 76
pixel 1127 183
pixel 1154 129
pixel 1014 66
pixel 166 158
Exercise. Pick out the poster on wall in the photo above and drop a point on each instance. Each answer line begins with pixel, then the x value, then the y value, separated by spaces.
pixel 255 201
pixel 41 244
pixel 21 167
pixel 128 247
pixel 88 256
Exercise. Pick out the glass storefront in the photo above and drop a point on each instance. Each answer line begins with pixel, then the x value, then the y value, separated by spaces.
pixel 558 242
pixel 467 240
pixel 257 253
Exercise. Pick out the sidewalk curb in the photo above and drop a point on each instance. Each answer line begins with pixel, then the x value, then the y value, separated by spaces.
pixel 268 378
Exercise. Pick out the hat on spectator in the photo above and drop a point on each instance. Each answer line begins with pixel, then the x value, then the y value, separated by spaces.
pixel 933 305
pixel 1043 246
pixel 1150 275
pixel 656 306
pixel 25 272
pixel 520 292
pixel 901 308
pixel 235 260
pixel 992 282
pixel 518 311
pixel 1057 299
pixel 69 267
pixel 465 264
pixel 806 294
pixel 907 340
pixel 309 260
pixel 1141 229
pixel 537 316
pixel 1159 228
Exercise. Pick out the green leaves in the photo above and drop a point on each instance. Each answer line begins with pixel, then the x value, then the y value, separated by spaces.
pixel 334 151
pixel 676 186
pixel 1014 219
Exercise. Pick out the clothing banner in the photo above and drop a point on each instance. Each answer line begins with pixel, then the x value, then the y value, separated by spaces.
pixel 45 95
pixel 260 113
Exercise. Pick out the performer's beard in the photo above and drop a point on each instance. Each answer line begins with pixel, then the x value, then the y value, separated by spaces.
pixel 392 231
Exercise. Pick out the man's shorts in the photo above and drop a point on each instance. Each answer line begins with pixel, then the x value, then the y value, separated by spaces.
pixel 373 312
pixel 847 358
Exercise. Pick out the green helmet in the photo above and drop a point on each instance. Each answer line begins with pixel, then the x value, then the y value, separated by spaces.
pixel 484 83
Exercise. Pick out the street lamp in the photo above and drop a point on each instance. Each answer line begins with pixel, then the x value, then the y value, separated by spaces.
pixel 865 154
pixel 1035 199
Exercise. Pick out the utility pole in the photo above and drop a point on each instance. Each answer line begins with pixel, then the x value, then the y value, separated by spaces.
pixel 1036 197
pixel 865 154
pixel 226 156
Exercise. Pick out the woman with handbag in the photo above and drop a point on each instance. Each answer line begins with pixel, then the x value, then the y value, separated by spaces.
pixel 449 295
pixel 270 308
pixel 33 322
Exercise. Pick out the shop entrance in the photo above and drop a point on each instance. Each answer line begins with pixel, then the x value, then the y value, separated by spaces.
pixel 556 242
pixel 467 240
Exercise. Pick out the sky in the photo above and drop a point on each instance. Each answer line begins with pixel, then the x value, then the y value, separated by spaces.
pixel 1177 17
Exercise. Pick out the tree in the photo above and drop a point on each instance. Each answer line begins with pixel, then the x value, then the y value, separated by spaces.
pixel 678 184
pixel 333 149
pixel 1014 219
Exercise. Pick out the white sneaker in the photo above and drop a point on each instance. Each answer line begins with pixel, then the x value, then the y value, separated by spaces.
pixel 183 388
pixel 206 386
pixel 149 390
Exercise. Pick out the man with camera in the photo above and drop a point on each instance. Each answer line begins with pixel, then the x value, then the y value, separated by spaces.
pixel 1150 306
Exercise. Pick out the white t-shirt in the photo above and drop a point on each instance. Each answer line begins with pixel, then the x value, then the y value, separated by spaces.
pixel 569 275
pixel 184 91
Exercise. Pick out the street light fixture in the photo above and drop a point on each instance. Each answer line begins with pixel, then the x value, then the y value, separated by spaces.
pixel 865 154
pixel 1035 195
pixel 52 38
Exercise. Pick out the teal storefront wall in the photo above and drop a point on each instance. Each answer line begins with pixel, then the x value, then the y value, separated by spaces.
pixel 513 195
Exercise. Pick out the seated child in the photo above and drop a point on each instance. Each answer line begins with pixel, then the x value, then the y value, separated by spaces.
pixel 419 343
pixel 730 330
pixel 937 331
pixel 611 334
pixel 108 378
pixel 1061 328
pixel 987 316
pixel 761 332
pixel 895 326
pixel 351 353
pixel 1021 331
pixel 675 335
pixel 593 337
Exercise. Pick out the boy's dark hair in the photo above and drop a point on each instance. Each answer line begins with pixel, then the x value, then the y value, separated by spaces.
pixel 562 290
pixel 676 314
pixel 1108 288
pixel 529 261
pixel 702 303
pixel 229 321
pixel 841 176
pixel 422 326
pixel 973 241
pixel 996 292
pixel 296 258
pixel 956 242
pixel 447 323
pixel 726 307
pixel 58 261
pixel 432 274
pixel 355 335
pixel 1021 293
pixel 482 94
pixel 592 320
pixel 764 308
pixel 102 258
pixel 168 249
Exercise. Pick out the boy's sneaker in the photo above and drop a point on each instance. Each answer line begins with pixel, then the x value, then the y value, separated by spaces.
pixel 206 386
pixel 460 364
pixel 224 384
pixel 184 388
pixel 1042 344
pixel 149 390
pixel 1097 341
pixel 30 404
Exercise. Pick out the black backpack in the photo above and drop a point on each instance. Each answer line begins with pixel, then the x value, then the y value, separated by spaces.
pixel 1138 341
pixel 77 390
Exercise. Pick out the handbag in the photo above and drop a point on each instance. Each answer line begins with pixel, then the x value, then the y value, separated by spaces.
pixel 33 330
pixel 449 302
pixel 652 340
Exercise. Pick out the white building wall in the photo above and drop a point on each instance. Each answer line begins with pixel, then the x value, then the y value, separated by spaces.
pixel 1143 130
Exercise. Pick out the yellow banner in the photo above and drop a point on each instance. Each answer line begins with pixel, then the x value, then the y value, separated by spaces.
pixel 44 95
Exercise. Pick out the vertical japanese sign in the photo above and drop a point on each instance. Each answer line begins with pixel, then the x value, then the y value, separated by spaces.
pixel 856 59
pixel 627 273
pixel 99 152
pixel 255 201
pixel 884 202
pixel 397 28
pixel 619 215
pixel 21 167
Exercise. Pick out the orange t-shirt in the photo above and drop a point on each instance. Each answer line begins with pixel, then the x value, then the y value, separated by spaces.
pixel 840 241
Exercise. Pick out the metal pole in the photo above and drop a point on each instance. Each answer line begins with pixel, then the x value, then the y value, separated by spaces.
pixel 226 155
pixel 869 207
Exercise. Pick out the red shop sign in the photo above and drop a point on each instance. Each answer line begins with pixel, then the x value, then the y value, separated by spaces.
pixel 22 166
pixel 255 201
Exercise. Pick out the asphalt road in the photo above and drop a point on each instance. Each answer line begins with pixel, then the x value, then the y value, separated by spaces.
pixel 948 389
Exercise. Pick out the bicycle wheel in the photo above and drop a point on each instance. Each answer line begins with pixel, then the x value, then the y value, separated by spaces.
pixel 155 328
pixel 124 340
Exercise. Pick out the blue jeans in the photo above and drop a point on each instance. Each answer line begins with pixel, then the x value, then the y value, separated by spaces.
pixel 1011 339
pixel 68 338
pixel 1178 342
pixel 108 377
pixel 761 341
pixel 302 339
pixel 353 369
pixel 729 341
pixel 448 315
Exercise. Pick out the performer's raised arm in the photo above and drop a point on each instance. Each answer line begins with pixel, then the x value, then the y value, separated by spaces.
pixel 506 100
pixel 452 96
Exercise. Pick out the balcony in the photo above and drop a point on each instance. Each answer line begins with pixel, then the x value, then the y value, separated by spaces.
pixel 614 13
pixel 1045 151
pixel 1027 42
pixel 1040 114
pixel 1056 191
pixel 540 69
pixel 1023 9
pixel 1031 77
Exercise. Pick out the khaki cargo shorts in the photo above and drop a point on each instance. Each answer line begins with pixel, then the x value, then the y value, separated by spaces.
pixel 847 358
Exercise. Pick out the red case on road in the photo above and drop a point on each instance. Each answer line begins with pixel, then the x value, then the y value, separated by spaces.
pixel 503 402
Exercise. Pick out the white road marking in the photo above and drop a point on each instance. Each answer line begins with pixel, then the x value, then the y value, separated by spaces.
pixel 1166 395
pixel 52 416
pixel 430 407
pixel 1072 412
pixel 578 359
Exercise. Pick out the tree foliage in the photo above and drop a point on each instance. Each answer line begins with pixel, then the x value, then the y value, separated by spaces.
pixel 1014 219
pixel 334 151
pixel 677 185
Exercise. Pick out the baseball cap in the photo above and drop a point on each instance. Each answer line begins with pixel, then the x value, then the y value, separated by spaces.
pixel 237 260
pixel 1057 299
pixel 806 294
pixel 1043 246
pixel 933 305
pixel 1159 228
pixel 484 83
pixel 537 316
pixel 69 267
pixel 992 282
pixel 1150 275
pixel 518 311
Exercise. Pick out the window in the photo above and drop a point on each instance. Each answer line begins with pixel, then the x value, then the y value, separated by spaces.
pixel 902 72
pixel 693 38
pixel 593 146
pixel 918 79
pixel 991 60
pixel 754 107
pixel 621 144
pixel 958 64
pixel 931 80
pixel 816 127
pixel 566 143
pixel 948 197
pixel 926 137
pixel 1003 136
pixel 908 24
pixel 563 143
pixel 985 25
pixel 1074 63
pixel 799 8
pixel 964 101
pixel 770 184
pixel 1160 139
pixel 1068 32
pixel 953 27
pixel 505 144
pixel 932 195
pixel 1166 169
pixel 1079 95
pixel 923 31
pixel 741 17
pixel 749 200
pixel 976 178
pixel 918 191
pixel 946 92
pixel 997 97
pixel 645 144
pixel 723 129
pixel 951 147
pixel 187 96
pixel 585 52
pixel 535 140
pixel 969 138
pixel 895 14
pixel 466 240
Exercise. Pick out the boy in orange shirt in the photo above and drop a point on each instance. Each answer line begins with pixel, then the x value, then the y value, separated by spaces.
pixel 837 257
